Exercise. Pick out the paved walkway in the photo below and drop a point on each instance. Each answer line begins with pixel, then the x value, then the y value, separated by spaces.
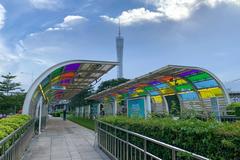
pixel 64 140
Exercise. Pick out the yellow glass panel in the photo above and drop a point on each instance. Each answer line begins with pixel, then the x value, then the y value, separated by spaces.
pixel 35 94
pixel 139 90
pixel 106 99
pixel 217 91
pixel 211 92
pixel 166 91
pixel 134 95
pixel 54 80
pixel 119 98
pixel 178 82
pixel 157 99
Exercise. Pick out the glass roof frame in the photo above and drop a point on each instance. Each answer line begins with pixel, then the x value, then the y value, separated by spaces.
pixel 165 74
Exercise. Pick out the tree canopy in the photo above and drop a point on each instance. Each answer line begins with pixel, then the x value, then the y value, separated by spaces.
pixel 79 99
pixel 11 95
pixel 111 83
pixel 7 85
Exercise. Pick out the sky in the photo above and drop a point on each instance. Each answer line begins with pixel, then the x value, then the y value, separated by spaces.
pixel 36 34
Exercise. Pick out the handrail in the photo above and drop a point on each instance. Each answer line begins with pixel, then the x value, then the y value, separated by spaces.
pixel 155 141
pixel 12 147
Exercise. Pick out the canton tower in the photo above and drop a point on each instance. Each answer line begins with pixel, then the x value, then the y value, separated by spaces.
pixel 119 47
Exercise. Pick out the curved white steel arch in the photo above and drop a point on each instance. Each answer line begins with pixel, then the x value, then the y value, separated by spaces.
pixel 34 86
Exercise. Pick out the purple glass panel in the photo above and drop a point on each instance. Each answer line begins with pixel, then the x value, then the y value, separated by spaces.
pixel 187 73
pixel 132 88
pixel 66 81
pixel 154 83
pixel 71 67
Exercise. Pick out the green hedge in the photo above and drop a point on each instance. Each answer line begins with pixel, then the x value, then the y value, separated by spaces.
pixel 10 124
pixel 56 114
pixel 217 141
pixel 235 107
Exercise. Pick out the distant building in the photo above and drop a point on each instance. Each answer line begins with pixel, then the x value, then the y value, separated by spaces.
pixel 119 47
pixel 234 96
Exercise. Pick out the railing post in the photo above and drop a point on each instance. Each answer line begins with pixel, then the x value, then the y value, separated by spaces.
pixel 145 149
pixel 173 155
pixel 127 144
pixel 106 137
pixel 115 141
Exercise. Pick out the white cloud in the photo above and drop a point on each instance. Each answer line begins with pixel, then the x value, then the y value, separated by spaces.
pixel 7 57
pixel 175 10
pixel 182 9
pixel 2 16
pixel 68 22
pixel 46 4
pixel 134 16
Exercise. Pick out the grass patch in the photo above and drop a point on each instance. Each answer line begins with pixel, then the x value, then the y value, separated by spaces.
pixel 85 122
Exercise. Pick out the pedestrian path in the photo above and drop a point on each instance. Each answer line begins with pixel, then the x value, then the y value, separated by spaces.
pixel 64 140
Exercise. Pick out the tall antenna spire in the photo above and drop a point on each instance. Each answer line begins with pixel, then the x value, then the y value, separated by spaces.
pixel 119 47
pixel 119 27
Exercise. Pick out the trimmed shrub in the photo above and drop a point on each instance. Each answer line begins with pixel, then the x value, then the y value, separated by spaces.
pixel 6 129
pixel 237 111
pixel 56 114
pixel 211 139
pixel 10 124
pixel 235 107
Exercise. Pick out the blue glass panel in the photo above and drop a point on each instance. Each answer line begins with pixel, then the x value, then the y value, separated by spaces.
pixel 189 96
pixel 45 81
pixel 162 85
pixel 154 93
pixel 206 84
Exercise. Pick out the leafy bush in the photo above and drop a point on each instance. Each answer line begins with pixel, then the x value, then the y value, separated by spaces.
pixel 207 138
pixel 6 129
pixel 235 107
pixel 56 114
pixel 10 124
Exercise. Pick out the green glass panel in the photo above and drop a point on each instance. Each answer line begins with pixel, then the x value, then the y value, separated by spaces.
pixel 183 88
pixel 149 88
pixel 199 77
pixel 125 95
pixel 142 94
pixel 57 72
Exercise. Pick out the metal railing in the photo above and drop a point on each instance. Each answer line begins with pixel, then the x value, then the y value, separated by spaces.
pixel 13 146
pixel 120 144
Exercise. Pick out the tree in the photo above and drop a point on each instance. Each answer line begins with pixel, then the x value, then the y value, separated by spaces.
pixel 79 99
pixel 7 85
pixel 11 95
pixel 111 83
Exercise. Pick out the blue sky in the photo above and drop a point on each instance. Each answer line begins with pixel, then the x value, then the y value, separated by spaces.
pixel 36 34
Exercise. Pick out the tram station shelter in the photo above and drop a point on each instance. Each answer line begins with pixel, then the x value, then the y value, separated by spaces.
pixel 170 89
pixel 61 82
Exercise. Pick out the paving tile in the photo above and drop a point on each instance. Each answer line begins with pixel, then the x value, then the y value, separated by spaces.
pixel 64 140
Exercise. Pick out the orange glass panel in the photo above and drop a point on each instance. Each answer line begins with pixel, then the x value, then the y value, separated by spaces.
pixel 68 75
pixel 166 78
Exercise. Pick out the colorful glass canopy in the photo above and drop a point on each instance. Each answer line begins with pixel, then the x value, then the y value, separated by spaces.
pixel 66 81
pixel 63 81
pixel 188 83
